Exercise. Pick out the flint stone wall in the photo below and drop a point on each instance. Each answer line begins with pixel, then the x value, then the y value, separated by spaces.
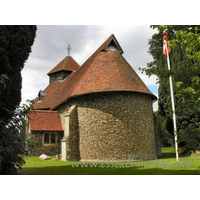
pixel 113 126
pixel 36 147
pixel 157 137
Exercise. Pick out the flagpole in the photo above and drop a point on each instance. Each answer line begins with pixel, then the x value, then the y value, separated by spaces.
pixel 173 108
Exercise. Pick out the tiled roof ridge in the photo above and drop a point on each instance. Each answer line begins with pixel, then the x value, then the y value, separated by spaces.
pixel 70 57
pixel 67 64
pixel 43 111
pixel 97 51
pixel 65 61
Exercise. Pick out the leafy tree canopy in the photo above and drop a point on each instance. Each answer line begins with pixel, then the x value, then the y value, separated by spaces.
pixel 184 61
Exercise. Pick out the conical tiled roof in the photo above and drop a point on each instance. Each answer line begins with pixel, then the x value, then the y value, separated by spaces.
pixel 105 70
pixel 67 64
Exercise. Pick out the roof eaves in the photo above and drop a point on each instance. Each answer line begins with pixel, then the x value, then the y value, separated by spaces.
pixel 154 98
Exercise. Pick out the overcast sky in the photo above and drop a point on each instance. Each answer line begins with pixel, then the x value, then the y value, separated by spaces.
pixel 50 48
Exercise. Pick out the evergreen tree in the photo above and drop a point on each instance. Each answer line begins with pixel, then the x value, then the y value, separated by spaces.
pixel 15 46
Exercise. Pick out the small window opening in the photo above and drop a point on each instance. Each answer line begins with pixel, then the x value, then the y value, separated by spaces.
pixel 50 139
pixel 46 138
pixel 53 138
pixel 41 95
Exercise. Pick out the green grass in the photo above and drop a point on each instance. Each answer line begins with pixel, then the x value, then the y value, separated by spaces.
pixel 36 166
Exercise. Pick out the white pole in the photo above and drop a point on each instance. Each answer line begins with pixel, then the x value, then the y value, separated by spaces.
pixel 173 109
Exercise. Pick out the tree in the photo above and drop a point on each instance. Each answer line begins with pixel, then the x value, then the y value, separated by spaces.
pixel 13 143
pixel 182 72
pixel 188 88
pixel 15 46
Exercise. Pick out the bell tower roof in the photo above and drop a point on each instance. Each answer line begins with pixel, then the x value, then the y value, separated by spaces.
pixel 67 64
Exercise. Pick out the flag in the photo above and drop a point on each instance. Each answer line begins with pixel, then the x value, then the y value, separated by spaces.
pixel 166 46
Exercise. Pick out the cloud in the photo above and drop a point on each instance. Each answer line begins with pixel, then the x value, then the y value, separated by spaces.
pixel 155 105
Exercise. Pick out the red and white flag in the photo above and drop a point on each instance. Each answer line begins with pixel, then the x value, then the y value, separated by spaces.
pixel 166 46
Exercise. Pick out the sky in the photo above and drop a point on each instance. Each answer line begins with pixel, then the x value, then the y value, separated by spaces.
pixel 50 47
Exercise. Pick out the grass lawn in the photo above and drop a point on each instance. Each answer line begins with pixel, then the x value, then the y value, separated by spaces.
pixel 165 165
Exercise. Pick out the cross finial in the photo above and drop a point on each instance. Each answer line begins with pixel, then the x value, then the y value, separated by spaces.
pixel 68 48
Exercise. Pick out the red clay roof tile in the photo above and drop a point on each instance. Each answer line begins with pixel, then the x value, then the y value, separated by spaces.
pixel 51 97
pixel 43 120
pixel 67 64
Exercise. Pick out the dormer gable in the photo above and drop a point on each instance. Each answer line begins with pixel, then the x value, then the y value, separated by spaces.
pixel 113 45
pixel 41 95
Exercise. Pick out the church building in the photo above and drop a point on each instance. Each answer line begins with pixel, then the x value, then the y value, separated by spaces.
pixel 101 110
